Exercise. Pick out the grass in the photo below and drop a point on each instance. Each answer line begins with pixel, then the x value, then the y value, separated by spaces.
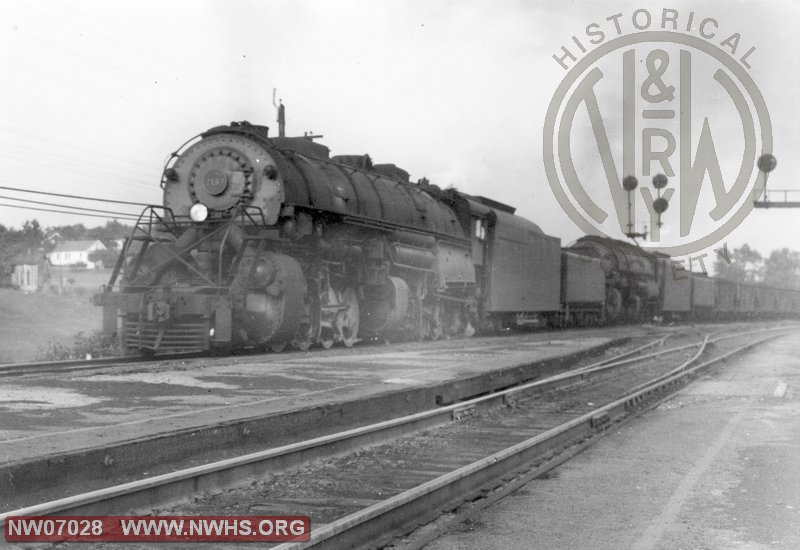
pixel 33 322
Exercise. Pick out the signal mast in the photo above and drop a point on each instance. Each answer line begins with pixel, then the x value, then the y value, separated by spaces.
pixel 660 204
pixel 766 164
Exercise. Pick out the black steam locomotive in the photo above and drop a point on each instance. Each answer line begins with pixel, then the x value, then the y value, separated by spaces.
pixel 269 241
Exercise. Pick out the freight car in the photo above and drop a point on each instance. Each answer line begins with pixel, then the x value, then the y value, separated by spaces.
pixel 267 241
pixel 643 285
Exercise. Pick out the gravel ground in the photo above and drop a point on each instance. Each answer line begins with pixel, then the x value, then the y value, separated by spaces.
pixel 713 468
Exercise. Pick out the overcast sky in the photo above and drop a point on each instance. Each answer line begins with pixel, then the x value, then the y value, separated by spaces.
pixel 96 94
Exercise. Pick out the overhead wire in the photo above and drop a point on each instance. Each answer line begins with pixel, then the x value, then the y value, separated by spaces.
pixel 28 167
pixel 172 47
pixel 255 77
pixel 137 76
pixel 93 90
pixel 67 196
pixel 34 147
pixel 109 217
pixel 43 203
pixel 112 168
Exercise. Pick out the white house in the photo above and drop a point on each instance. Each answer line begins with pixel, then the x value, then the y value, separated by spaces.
pixel 75 253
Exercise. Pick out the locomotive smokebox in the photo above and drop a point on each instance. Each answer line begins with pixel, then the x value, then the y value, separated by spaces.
pixel 223 172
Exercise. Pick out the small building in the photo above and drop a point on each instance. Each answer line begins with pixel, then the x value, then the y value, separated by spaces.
pixel 30 272
pixel 6 273
pixel 76 253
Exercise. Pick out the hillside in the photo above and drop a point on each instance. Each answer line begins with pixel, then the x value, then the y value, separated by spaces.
pixel 29 321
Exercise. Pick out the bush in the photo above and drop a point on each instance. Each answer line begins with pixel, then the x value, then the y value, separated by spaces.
pixel 106 257
pixel 95 345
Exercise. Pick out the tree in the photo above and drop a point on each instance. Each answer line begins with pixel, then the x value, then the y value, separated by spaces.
pixel 745 265
pixel 112 231
pixel 782 268
pixel 32 236
pixel 108 256
pixel 75 232
pixel 13 242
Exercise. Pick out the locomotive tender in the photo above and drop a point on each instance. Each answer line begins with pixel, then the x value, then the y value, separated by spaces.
pixel 266 241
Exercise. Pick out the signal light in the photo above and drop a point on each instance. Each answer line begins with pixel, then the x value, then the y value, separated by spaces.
pixel 660 181
pixel 198 212
pixel 629 183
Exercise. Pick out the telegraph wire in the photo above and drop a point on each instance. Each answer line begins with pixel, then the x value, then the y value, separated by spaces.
pixel 129 218
pixel 297 106
pixel 78 182
pixel 16 133
pixel 73 196
pixel 43 155
pixel 68 206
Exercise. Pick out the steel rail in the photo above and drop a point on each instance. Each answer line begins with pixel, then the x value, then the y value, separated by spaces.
pixel 69 365
pixel 172 487
pixel 631 352
pixel 377 523
pixel 43 367
pixel 708 340
pixel 702 345
pixel 130 495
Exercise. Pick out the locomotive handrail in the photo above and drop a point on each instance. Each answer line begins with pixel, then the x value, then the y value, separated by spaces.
pixel 222 249
pixel 245 212
pixel 155 217
pixel 162 219
pixel 176 256
pixel 126 245
pixel 175 154
pixel 117 267
pixel 383 225
pixel 448 298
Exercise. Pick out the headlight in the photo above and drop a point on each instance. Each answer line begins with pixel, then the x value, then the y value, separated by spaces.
pixel 198 212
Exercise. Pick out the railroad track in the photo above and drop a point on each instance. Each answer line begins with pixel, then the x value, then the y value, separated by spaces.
pixel 561 415
pixel 96 461
pixel 72 365
pixel 99 363
pixel 558 430
pixel 180 443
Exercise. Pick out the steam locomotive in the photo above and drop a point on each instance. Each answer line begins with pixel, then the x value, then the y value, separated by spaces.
pixel 269 241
